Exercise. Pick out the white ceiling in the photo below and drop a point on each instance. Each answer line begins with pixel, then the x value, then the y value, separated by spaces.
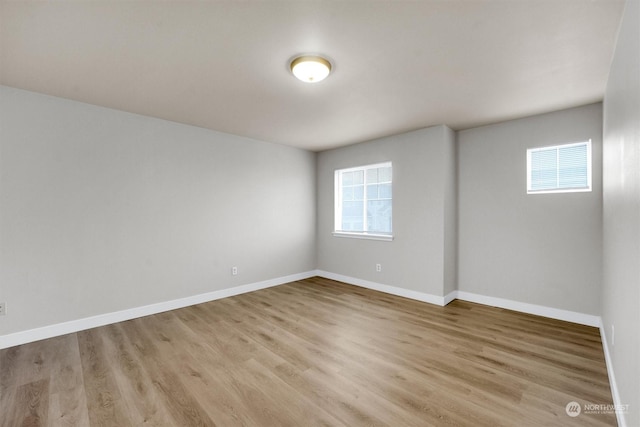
pixel 399 65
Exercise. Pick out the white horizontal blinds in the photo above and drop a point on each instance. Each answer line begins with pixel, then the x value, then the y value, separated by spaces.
pixel 544 169
pixel 560 168
pixel 572 167
pixel 363 199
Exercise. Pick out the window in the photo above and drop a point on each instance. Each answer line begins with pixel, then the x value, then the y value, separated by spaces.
pixel 559 168
pixel 363 202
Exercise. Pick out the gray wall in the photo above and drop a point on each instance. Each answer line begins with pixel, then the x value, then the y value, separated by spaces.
pixel 540 249
pixel 422 176
pixel 621 188
pixel 103 210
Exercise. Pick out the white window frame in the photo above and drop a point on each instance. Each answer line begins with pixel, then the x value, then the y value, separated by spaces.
pixel 560 190
pixel 338 205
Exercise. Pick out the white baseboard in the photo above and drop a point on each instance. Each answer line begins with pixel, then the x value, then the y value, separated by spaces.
pixel 119 316
pixel 450 297
pixel 612 378
pixel 539 310
pixel 50 331
pixel 393 290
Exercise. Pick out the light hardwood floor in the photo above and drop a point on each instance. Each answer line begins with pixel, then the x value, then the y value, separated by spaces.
pixel 310 353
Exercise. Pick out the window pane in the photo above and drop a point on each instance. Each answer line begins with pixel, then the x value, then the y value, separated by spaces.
pixel 347 193
pixel 379 216
pixel 347 178
pixel 372 191
pixel 358 192
pixel 371 183
pixel 384 191
pixel 372 176
pixel 352 209
pixel 572 163
pixel 384 174
pixel 544 169
pixel 543 180
pixel 352 216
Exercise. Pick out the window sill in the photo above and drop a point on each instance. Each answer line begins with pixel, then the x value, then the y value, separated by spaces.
pixel 366 236
pixel 561 190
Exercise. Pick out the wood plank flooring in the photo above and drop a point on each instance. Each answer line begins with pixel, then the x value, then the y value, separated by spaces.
pixel 311 353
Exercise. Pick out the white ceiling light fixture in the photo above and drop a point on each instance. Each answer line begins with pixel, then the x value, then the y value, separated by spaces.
pixel 310 68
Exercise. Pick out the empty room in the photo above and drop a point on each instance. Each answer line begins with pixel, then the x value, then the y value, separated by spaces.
pixel 320 213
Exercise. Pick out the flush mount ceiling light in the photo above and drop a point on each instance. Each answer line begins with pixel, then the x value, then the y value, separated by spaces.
pixel 310 68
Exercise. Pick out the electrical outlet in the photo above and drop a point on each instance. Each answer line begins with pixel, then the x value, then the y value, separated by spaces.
pixel 234 271
pixel 3 308
pixel 378 268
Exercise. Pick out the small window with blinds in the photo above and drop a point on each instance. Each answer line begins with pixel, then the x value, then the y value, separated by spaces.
pixel 559 169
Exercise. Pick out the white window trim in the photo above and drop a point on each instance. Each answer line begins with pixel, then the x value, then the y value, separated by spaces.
pixel 364 235
pixel 338 206
pixel 588 188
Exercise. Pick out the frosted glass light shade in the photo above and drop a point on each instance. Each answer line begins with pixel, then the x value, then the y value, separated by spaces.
pixel 310 69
